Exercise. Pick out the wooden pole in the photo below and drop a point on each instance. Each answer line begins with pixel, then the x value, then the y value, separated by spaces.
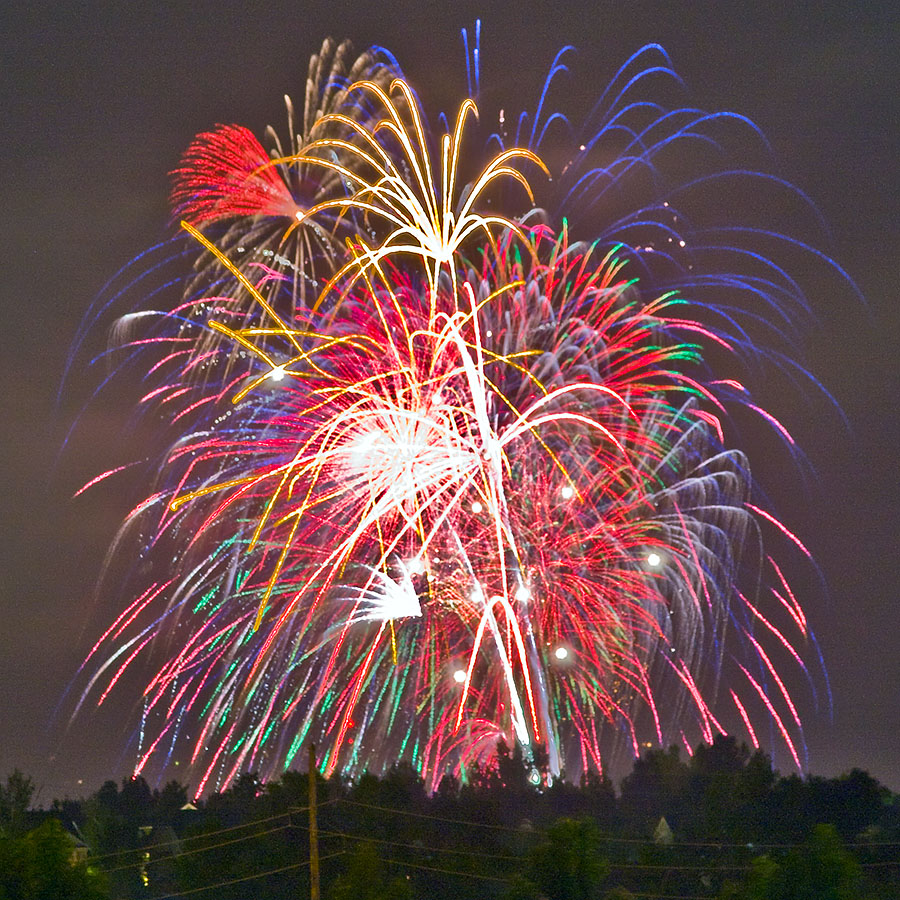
pixel 313 829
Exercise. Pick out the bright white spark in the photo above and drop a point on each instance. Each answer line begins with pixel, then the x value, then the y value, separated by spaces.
pixel 385 598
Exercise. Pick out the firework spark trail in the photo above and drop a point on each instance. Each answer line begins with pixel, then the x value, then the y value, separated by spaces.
pixel 440 476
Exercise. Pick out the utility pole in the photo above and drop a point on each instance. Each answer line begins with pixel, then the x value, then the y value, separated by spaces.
pixel 313 829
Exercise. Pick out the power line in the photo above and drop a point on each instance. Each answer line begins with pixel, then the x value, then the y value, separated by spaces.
pixel 710 868
pixel 707 867
pixel 747 845
pixel 219 884
pixel 420 847
pixel 446 871
pixel 434 818
pixel 239 840
pixel 193 837
pixel 196 837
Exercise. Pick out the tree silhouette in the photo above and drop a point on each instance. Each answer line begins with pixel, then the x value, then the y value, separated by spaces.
pixel 15 796
pixel 569 865
pixel 39 866
pixel 366 878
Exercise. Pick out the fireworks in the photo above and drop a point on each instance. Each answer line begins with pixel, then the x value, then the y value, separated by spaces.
pixel 445 467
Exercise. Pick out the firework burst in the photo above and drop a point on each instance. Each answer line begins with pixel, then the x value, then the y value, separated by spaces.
pixel 466 477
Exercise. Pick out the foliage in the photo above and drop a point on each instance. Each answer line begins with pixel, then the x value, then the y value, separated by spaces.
pixel 568 865
pixel 39 866
pixel 739 832
pixel 365 878
pixel 822 869
pixel 15 796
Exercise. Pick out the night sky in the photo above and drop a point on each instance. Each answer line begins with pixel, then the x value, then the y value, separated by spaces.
pixel 99 102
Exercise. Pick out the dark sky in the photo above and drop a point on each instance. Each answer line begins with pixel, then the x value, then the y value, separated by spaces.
pixel 96 105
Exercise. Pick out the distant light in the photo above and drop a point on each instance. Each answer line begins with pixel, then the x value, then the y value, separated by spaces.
pixel 561 652
pixel 459 676
pixel 523 594
pixel 653 559
pixel 416 566
pixel 477 507
pixel 568 492
pixel 277 374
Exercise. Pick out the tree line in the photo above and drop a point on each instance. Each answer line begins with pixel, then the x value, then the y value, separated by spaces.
pixel 721 824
